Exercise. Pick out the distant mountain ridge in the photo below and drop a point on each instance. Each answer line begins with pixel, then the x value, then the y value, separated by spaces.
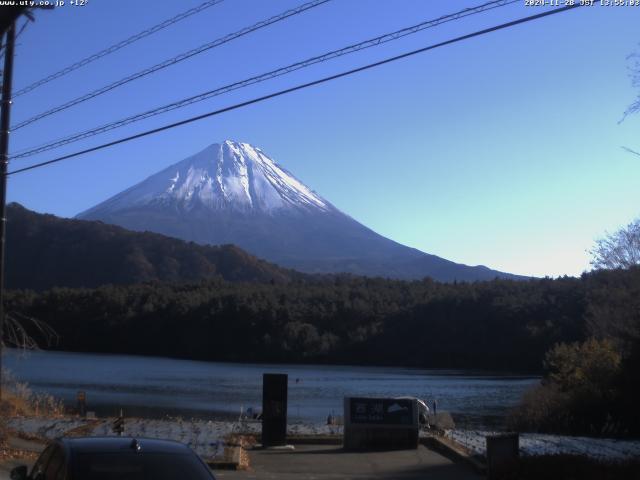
pixel 233 193
pixel 45 251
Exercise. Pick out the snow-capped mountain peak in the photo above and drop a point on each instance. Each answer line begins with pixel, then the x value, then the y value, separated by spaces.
pixel 233 193
pixel 229 176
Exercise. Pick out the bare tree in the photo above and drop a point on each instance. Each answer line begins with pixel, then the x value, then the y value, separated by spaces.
pixel 634 73
pixel 620 249
pixel 27 333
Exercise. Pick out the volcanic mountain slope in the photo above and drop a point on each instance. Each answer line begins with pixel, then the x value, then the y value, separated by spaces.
pixel 45 251
pixel 233 193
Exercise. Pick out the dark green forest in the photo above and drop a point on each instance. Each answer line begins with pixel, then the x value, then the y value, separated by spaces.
pixel 501 324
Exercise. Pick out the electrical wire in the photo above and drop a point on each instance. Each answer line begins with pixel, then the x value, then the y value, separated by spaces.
pixel 22 29
pixel 172 61
pixel 117 46
pixel 301 87
pixel 263 77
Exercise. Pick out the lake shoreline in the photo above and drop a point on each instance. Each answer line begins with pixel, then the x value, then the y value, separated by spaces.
pixel 155 387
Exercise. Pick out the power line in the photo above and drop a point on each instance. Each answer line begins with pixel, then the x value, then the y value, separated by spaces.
pixel 263 77
pixel 630 150
pixel 172 61
pixel 299 87
pixel 20 32
pixel 117 46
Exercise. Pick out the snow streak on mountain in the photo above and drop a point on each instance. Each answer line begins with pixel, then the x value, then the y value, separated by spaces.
pixel 223 176
pixel 234 193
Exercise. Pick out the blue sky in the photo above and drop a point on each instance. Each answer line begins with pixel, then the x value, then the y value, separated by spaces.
pixel 504 150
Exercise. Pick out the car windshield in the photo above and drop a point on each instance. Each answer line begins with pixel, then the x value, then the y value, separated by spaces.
pixel 139 466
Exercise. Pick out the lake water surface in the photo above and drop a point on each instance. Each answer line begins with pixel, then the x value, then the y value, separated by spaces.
pixel 161 386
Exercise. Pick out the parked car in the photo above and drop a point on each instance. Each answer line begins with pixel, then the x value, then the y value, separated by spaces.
pixel 111 458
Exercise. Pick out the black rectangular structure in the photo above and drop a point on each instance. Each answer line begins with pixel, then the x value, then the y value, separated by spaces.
pixel 82 403
pixel 274 409
pixel 503 450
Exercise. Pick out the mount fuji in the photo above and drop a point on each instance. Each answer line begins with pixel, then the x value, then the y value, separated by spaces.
pixel 233 193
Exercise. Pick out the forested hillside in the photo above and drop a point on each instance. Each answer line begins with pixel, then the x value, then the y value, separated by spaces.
pixel 500 324
pixel 45 251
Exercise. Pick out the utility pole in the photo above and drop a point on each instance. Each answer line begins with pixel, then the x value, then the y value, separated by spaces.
pixel 7 76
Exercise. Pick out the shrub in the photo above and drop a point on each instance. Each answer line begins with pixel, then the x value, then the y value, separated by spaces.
pixel 579 394
pixel 19 400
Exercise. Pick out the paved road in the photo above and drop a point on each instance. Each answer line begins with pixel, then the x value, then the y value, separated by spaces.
pixel 324 462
